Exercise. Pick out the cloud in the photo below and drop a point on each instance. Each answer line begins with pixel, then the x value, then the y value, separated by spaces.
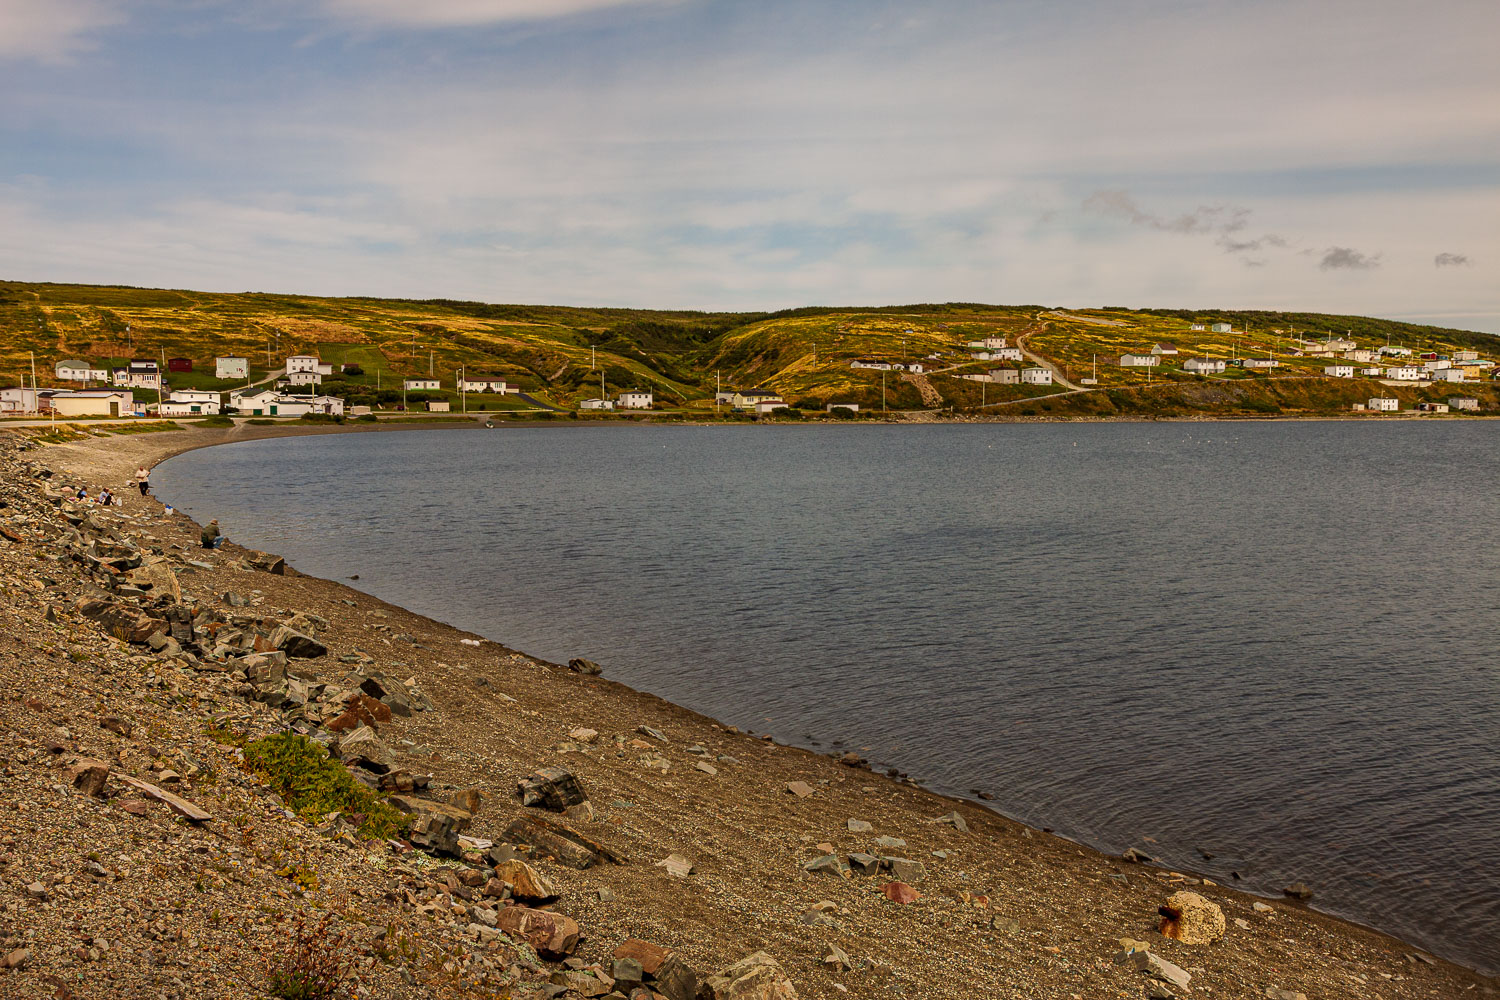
pixel 466 13
pixel 52 31
pixel 1203 219
pixel 1452 260
pixel 1348 259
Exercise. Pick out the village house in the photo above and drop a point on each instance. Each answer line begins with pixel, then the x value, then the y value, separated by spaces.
pixel 469 384
pixel 269 403
pixel 307 363
pixel 1139 360
pixel 1361 355
pixel 1339 344
pixel 871 363
pixel 1449 375
pixel 18 399
pixel 1204 366
pixel 179 364
pixel 231 367
pixel 1429 356
pixel 1374 372
pixel 416 384
pixel 1198 328
pixel 770 405
pixel 916 367
pixel 988 343
pixel 303 377
pixel 1005 376
pixel 1036 376
pixel 746 399
pixel 1160 349
pixel 984 356
pixel 1431 407
pixel 195 400
pixel 1008 354
pixel 634 399
pixel 1406 374
pixel 851 407
pixel 1437 364
pixel 1465 355
pixel 1384 404
pixel 1463 402
pixel 439 406
pixel 1339 371
pixel 91 403
pixel 1262 363
pixel 141 373
pixel 597 404
pixel 1221 328
pixel 79 371
pixel 1396 352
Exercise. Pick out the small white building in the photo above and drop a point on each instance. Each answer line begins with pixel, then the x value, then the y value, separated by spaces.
pixel 1221 328
pixel 1197 327
pixel 304 377
pixel 307 363
pixel 871 363
pixel 499 385
pixel 916 367
pixel 1262 363
pixel 1449 375
pixel 634 399
pixel 1463 402
pixel 92 403
pixel 984 356
pixel 1204 366
pixel 439 406
pixel 79 371
pixel 1432 407
pixel 185 402
pixel 1437 365
pixel 1406 374
pixel 1465 355
pixel 1161 349
pixel 1339 371
pixel 770 405
pixel 746 399
pixel 988 343
pixel 1384 404
pixel 1036 376
pixel 1362 355
pixel 597 404
pixel 231 367
pixel 1008 354
pixel 256 402
pixel 1340 344
pixel 18 399
pixel 1005 376
pixel 141 373
pixel 1374 372
pixel 415 384
pixel 1396 352
pixel 1139 360
pixel 851 407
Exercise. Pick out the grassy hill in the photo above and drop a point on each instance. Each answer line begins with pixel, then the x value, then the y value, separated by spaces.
pixel 558 354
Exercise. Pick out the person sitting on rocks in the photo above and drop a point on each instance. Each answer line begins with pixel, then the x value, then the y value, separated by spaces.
pixel 106 497
pixel 211 537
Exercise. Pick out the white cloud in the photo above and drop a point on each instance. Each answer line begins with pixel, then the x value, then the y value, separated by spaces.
pixel 465 13
pixel 52 31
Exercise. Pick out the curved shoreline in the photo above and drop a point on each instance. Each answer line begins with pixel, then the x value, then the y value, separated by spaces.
pixel 165 445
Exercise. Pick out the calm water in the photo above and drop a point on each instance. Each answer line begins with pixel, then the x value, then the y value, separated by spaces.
pixel 1274 642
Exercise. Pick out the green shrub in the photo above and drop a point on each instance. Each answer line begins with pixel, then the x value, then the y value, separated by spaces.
pixel 313 965
pixel 367 417
pixel 314 785
pixel 260 421
pixel 216 420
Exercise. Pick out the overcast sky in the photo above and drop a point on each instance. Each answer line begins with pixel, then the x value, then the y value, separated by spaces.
pixel 1338 155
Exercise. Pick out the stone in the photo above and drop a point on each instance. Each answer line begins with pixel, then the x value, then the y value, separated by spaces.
pixel 1159 991
pixel 954 820
pixel 801 789
pixel 837 960
pixel 648 956
pixel 1259 907
pixel 900 892
pixel 38 892
pixel 1191 919
pixel 828 864
pixel 904 869
pixel 628 973
pixel 1242 923
pixel 1136 856
pixel 296 644
pixel 552 935
pixel 676 864
pixel 675 980
pixel 364 746
pixel 468 799
pixel 266 562
pixel 583 735
pixel 526 883
pixel 550 788
pixel 860 826
pixel 88 776
pixel 864 864
pixel 1159 968
pixel 361 710
pixel 890 843
pixel 583 812
pixel 16 959
pixel 588 667
pixel 553 838
pixel 234 600
pixel 580 983
pixel 436 825
pixel 1298 890
pixel 706 768
pixel 655 734
pixel 122 621
pixel 180 806
pixel 1277 993
pixel 754 977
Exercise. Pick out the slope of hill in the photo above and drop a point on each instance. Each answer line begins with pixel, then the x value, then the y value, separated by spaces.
pixel 565 354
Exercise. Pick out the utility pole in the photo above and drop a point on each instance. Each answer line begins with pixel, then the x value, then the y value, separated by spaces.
pixel 883 407
pixel 718 388
pixel 593 362
pixel 33 371
pixel 429 364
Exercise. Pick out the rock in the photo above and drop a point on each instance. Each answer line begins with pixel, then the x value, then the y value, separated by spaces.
pixel 1159 991
pixel 1276 993
pixel 122 621
pixel 550 788
pixel 580 983
pixel 297 645
pixel 88 776
pixel 954 820
pixel 1242 923
pixel 1137 856
pixel 361 710
pixel 859 826
pixel 828 864
pixel 525 882
pixel 904 869
pixel 234 600
pixel 1299 890
pixel 584 735
pixel 755 977
pixel 801 789
pixel 864 864
pixel 675 980
pixel 468 799
pixel 837 960
pixel 38 892
pixel 706 768
pixel 180 806
pixel 266 562
pixel 1159 968
pixel 550 837
pixel 655 734
pixel 116 725
pixel 551 935
pixel 650 957
pixel 436 825
pixel 1259 907
pixel 16 959
pixel 677 865
pixel 890 843
pixel 581 666
pixel 900 892
pixel 583 812
pixel 1191 919
pixel 364 746
pixel 628 973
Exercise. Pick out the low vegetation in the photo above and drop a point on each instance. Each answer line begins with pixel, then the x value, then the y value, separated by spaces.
pixel 313 785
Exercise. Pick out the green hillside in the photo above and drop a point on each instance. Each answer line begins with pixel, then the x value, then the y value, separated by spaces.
pixel 558 354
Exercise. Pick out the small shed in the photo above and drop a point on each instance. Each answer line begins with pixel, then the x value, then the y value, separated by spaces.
pixel 179 364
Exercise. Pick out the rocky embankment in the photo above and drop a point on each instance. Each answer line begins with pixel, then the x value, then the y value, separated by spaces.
pixel 218 772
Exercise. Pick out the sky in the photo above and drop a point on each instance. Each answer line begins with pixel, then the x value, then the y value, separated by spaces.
pixel 1335 156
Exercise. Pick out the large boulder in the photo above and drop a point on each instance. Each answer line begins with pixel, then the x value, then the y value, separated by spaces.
pixel 754 977
pixel 364 747
pixel 526 883
pixel 122 621
pixel 552 935
pixel 296 644
pixel 435 825
pixel 1191 919
pixel 551 788
pixel 546 836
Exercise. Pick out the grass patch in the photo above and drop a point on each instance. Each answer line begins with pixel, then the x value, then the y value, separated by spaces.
pixel 217 420
pixel 313 785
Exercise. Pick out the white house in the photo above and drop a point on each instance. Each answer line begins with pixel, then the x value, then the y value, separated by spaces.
pixel 1036 376
pixel 439 406
pixel 1139 360
pixel 92 403
pixel 141 373
pixel 1374 372
pixel 1164 349
pixel 1204 366
pixel 194 400
pixel 18 399
pixel 851 407
pixel 1437 365
pixel 79 371
pixel 331 405
pixel 746 399
pixel 467 384
pixel 1449 375
pixel 1465 355
pixel 597 404
pixel 1339 371
pixel 1463 402
pixel 1005 376
pixel 307 363
pixel 770 405
pixel 1221 328
pixel 304 377
pixel 1396 352
pixel 1361 355
pixel 1197 327
pixel 1384 404
pixel 414 384
pixel 915 366
pixel 1406 374
pixel 988 343
pixel 1340 344
pixel 984 356
pixel 231 367
pixel 634 399
pixel 883 366
pixel 1008 354
pixel 1262 363
pixel 1432 407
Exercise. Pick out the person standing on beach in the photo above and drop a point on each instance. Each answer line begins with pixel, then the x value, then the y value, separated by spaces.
pixel 210 535
pixel 142 479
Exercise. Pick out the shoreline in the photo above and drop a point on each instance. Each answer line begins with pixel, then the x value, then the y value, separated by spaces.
pixel 790 758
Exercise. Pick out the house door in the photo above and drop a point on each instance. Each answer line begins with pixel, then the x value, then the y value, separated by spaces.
pixel 114 409
pixel 273 411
